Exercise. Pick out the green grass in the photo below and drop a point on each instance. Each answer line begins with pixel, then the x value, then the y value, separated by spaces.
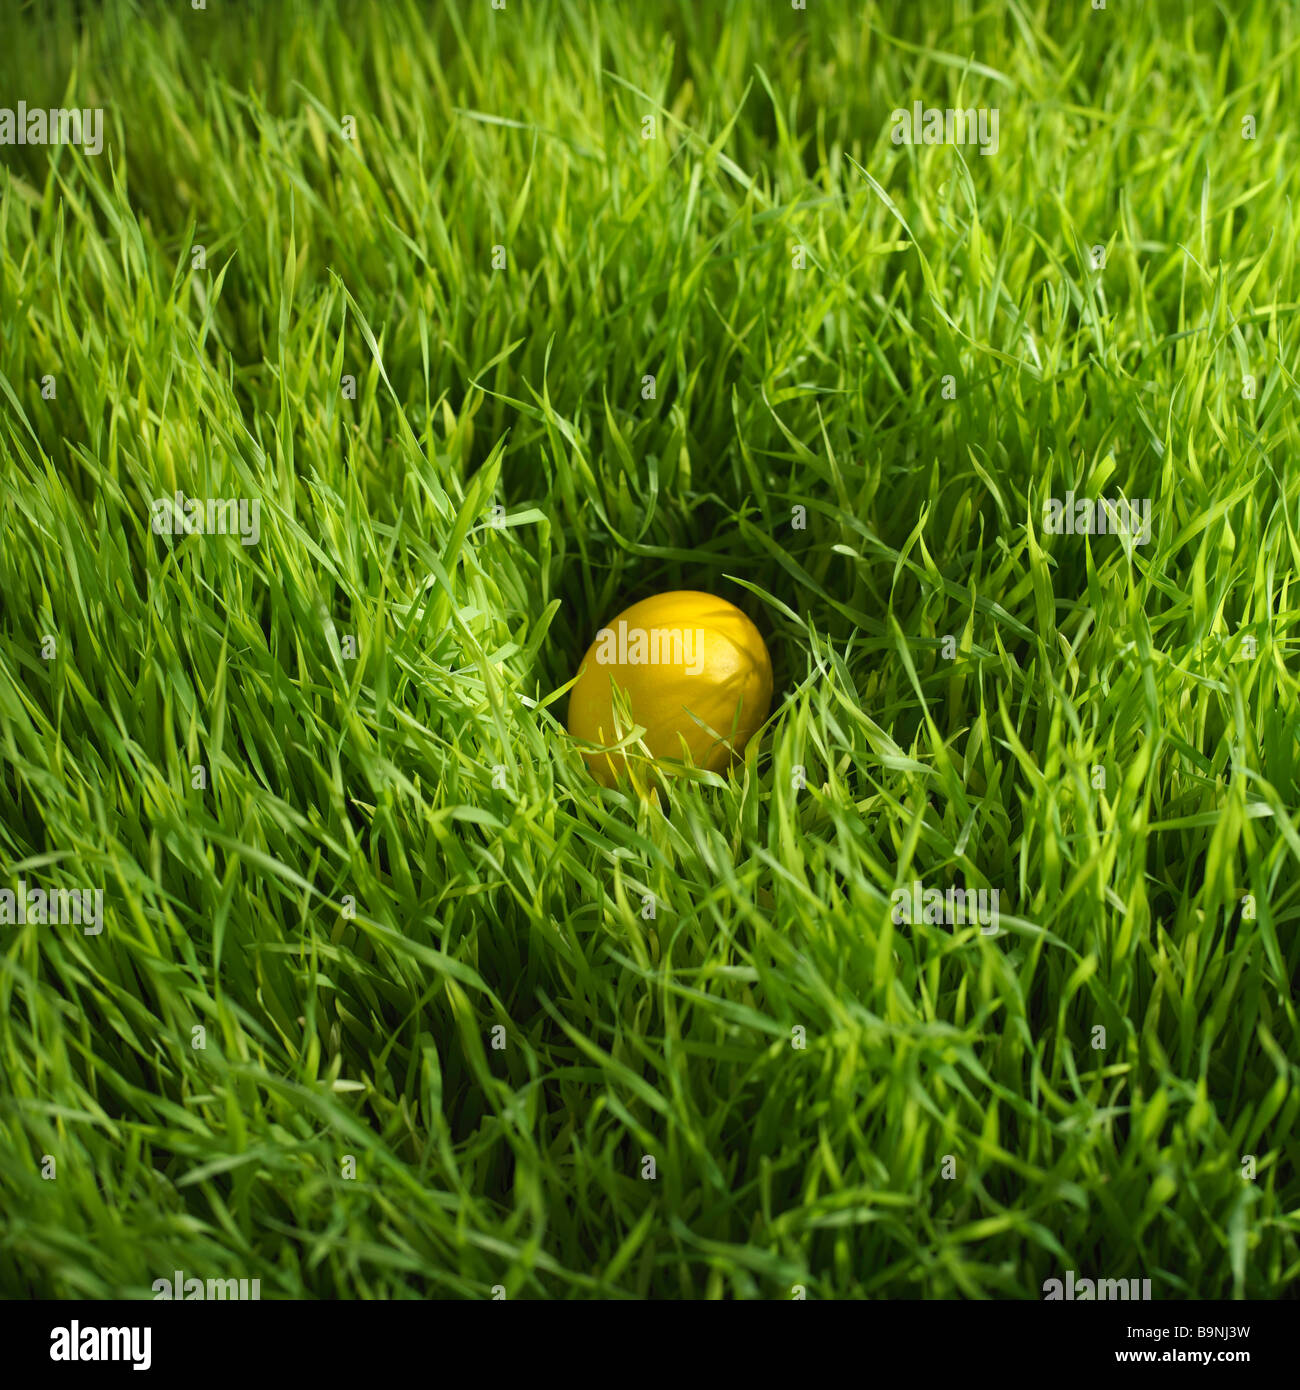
pixel 399 851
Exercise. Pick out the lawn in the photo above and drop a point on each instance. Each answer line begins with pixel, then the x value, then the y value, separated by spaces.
pixel 465 328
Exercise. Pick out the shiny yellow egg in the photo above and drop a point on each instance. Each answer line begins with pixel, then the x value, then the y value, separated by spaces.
pixel 695 673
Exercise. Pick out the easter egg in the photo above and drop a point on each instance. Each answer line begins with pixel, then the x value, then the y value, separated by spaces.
pixel 694 671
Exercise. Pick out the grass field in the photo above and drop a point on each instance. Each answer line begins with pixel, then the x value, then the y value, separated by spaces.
pixel 400 275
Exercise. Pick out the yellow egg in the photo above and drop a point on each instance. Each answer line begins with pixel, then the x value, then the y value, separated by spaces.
pixel 676 655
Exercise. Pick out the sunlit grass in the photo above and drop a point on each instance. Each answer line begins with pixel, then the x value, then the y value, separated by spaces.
pixel 394 848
